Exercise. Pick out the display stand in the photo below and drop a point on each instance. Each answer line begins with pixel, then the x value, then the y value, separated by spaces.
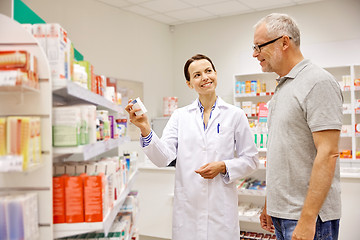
pixel 25 101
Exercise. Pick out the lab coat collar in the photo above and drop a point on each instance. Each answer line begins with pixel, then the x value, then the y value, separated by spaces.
pixel 220 103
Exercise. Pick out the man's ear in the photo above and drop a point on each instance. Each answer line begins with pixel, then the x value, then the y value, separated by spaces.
pixel 286 42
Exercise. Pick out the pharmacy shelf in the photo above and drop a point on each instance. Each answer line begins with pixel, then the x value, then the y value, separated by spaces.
pixel 350 172
pixel 262 94
pixel 14 163
pixel 74 93
pixel 70 229
pixel 251 192
pixel 18 88
pixel 91 150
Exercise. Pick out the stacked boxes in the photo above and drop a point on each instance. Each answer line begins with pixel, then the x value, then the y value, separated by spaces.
pixel 20 136
pixel 18 68
pixel 19 217
pixel 86 192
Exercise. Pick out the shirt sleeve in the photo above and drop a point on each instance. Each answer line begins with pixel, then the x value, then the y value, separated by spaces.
pixel 226 176
pixel 145 141
pixel 323 106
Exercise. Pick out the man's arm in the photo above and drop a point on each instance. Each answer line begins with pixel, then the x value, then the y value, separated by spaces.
pixel 326 143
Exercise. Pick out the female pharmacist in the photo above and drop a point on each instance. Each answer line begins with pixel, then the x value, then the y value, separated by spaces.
pixel 202 137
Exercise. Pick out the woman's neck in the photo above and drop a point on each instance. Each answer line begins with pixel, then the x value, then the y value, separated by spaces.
pixel 207 101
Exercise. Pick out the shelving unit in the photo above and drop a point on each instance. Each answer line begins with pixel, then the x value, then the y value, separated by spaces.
pixel 73 93
pixel 25 101
pixel 91 150
pixel 350 168
pixel 65 230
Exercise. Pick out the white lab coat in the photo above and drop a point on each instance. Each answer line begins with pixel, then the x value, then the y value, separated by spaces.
pixel 205 209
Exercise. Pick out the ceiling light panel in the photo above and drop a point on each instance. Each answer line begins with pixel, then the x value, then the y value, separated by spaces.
pixel 116 3
pixel 189 14
pixel 226 8
pixel 139 10
pixel 162 6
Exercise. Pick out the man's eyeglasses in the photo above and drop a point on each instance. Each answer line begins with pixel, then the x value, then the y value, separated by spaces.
pixel 258 47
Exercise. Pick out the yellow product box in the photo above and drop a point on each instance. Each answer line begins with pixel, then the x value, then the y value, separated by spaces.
pixel 2 136
pixel 91 80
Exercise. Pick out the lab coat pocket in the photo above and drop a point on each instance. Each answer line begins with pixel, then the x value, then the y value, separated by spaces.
pixel 179 213
pixel 225 140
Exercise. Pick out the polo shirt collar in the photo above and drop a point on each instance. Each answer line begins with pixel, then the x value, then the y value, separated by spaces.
pixel 294 71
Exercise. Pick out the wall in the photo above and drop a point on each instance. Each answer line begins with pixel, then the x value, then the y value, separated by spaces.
pixel 119 44
pixel 330 37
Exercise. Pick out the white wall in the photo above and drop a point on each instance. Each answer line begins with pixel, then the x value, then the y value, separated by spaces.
pixel 330 36
pixel 126 46
pixel 119 44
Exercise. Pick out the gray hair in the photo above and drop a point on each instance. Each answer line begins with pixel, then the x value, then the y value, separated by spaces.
pixel 278 24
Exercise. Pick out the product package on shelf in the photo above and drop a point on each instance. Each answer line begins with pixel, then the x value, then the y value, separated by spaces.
pixel 80 76
pixel 74 199
pixel 258 236
pixel 111 90
pixel 94 194
pixel 88 189
pixel 18 68
pixel 3 149
pixel 91 80
pixel 66 126
pixel 23 139
pixel 19 216
pixel 59 215
pixel 58 49
pixel 169 105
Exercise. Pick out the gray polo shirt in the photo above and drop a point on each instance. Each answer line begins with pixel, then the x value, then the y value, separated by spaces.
pixel 308 99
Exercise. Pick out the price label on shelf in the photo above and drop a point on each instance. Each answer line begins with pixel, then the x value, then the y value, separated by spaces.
pixel 8 78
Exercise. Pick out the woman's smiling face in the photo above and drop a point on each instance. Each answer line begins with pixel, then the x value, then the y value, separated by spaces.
pixel 203 77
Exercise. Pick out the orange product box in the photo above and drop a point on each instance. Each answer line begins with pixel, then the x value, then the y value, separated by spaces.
pixel 247 86
pixel 94 189
pixel 100 84
pixel 15 60
pixel 59 214
pixel 74 199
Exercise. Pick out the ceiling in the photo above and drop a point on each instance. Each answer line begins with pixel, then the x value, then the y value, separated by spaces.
pixel 175 12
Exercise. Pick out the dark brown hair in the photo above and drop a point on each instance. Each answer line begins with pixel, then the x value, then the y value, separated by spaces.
pixel 191 60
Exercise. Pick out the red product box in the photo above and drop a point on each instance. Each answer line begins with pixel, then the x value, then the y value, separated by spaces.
pixel 74 199
pixel 59 199
pixel 94 197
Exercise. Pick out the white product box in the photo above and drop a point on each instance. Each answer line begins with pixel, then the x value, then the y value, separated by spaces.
pixel 39 32
pixel 57 47
pixel 66 126
pixel 137 104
